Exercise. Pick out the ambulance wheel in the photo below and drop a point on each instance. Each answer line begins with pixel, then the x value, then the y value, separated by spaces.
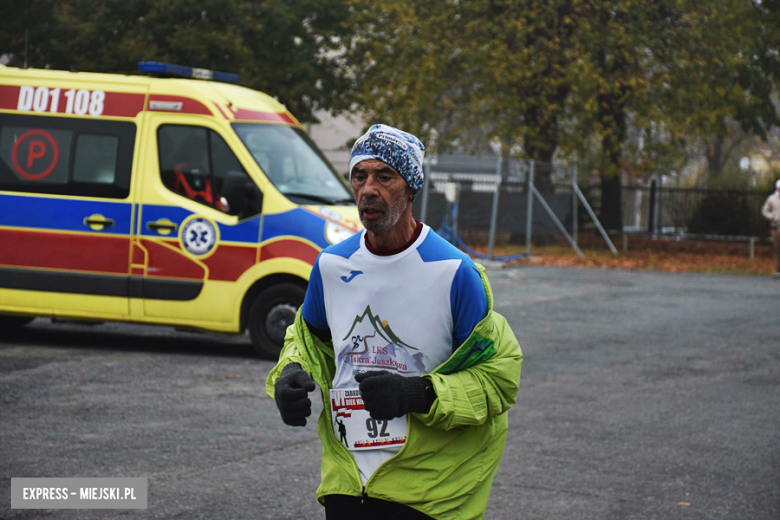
pixel 269 316
pixel 13 322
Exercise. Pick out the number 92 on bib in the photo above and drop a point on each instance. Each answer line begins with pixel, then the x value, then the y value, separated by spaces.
pixel 354 427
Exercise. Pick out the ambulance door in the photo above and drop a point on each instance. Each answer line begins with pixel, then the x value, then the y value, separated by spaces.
pixel 65 214
pixel 194 247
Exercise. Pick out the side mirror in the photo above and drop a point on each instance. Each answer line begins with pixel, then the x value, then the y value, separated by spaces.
pixel 240 196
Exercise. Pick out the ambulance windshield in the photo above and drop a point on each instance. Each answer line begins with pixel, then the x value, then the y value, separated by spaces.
pixel 294 164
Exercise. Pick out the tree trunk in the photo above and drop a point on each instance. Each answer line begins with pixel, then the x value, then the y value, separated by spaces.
pixel 541 148
pixel 611 204
pixel 543 156
pixel 612 113
pixel 715 157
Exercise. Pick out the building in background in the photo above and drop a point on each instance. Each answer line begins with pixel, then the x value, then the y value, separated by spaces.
pixel 334 135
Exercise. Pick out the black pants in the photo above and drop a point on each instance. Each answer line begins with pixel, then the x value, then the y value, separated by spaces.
pixel 344 507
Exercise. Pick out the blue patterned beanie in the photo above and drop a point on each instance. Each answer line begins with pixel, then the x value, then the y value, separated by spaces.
pixel 401 150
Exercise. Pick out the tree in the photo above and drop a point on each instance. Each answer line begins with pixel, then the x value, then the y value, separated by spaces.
pixel 282 48
pixel 620 36
pixel 718 78
pixel 570 76
pixel 470 70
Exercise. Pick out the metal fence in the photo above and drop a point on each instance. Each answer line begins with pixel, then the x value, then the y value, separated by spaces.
pixel 490 193
pixel 692 211
pixel 484 201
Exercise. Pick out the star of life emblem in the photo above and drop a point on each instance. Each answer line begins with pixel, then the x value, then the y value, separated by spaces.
pixel 199 236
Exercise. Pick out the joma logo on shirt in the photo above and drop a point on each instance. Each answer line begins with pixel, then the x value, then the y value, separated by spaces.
pixel 352 275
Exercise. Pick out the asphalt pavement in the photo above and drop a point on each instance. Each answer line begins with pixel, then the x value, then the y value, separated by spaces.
pixel 644 395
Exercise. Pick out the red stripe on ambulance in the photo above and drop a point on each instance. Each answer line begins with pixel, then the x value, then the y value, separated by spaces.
pixel 228 263
pixel 168 263
pixel 221 111
pixel 289 249
pixel 160 103
pixel 255 115
pixel 9 97
pixel 122 104
pixel 74 252
pixel 74 101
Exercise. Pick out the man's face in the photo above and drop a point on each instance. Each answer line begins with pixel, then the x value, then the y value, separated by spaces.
pixel 381 194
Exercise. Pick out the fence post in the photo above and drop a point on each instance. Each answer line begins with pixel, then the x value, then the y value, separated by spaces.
pixel 651 216
pixel 596 220
pixel 530 209
pixel 494 212
pixel 661 206
pixel 424 208
pixel 456 210
pixel 574 205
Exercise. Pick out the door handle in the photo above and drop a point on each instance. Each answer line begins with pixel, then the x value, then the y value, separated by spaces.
pixel 162 226
pixel 98 222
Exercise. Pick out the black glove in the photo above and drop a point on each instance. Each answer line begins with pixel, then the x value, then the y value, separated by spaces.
pixel 291 393
pixel 388 395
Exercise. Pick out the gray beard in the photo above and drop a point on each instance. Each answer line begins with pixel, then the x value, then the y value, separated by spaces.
pixel 389 217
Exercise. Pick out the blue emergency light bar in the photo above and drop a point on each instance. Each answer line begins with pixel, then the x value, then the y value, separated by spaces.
pixel 181 71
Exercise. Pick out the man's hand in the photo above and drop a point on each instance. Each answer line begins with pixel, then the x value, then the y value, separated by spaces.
pixel 291 393
pixel 387 395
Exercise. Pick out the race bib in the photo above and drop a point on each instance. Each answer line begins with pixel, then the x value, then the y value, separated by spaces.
pixel 354 427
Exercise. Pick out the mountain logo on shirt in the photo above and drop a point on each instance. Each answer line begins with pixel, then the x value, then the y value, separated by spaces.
pixel 381 327
pixel 371 344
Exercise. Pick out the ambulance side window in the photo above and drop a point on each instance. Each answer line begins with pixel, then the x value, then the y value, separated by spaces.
pixel 95 159
pixel 64 156
pixel 194 162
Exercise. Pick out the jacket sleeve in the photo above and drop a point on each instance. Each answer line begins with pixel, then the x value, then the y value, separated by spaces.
pixel 475 394
pixel 768 211
pixel 301 346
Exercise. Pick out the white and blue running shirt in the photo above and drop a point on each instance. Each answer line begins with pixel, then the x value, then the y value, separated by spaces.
pixel 405 313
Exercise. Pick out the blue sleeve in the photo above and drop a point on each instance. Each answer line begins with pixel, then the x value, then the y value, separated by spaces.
pixel 468 302
pixel 313 310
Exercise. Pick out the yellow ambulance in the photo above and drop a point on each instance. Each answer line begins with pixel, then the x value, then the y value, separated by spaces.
pixel 162 199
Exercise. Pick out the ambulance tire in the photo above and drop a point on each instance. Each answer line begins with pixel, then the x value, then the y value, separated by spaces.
pixel 13 322
pixel 272 311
